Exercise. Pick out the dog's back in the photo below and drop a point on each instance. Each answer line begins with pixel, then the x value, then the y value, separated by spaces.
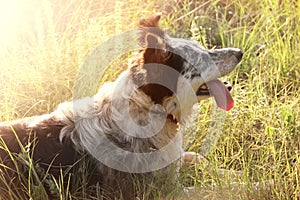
pixel 40 134
pixel 37 147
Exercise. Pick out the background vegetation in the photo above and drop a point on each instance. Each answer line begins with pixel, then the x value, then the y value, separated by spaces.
pixel 260 137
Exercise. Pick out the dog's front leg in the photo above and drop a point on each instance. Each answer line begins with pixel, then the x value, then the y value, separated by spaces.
pixel 192 157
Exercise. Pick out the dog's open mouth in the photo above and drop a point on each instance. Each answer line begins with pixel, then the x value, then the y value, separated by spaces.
pixel 220 91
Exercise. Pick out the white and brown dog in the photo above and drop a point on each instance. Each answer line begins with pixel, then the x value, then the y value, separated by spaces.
pixel 129 129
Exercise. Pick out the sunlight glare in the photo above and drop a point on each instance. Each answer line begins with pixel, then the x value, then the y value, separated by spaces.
pixel 12 17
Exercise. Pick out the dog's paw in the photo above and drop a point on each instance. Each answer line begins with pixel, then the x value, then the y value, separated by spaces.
pixel 193 157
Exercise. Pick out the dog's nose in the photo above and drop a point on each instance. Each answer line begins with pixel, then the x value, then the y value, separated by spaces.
pixel 239 54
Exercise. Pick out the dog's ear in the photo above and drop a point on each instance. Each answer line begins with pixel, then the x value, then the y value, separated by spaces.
pixel 155 76
pixel 150 35
pixel 152 21
pixel 152 39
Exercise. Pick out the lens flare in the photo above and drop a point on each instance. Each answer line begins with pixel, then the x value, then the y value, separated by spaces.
pixel 13 15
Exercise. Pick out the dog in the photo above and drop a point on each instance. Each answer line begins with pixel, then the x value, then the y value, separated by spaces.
pixel 129 129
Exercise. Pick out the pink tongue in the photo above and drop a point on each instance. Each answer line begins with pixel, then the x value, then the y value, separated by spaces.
pixel 221 94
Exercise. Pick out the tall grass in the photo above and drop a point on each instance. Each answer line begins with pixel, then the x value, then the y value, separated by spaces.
pixel 260 136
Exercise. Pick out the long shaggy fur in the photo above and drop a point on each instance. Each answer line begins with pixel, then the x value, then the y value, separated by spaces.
pixel 134 114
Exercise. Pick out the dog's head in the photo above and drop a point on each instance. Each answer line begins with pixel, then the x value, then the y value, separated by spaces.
pixel 173 67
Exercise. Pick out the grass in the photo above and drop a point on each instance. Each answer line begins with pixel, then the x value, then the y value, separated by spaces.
pixel 260 136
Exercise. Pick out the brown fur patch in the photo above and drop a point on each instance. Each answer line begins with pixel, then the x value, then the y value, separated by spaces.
pixel 157 72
